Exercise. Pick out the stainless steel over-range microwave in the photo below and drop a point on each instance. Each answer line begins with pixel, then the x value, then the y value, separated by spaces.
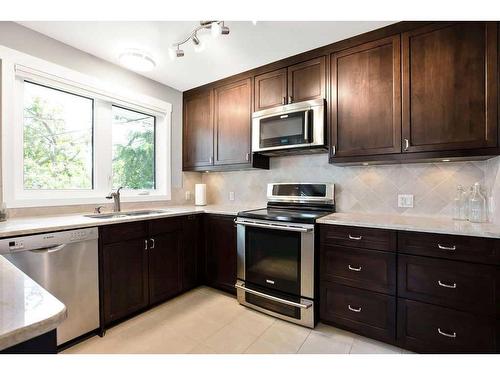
pixel 293 127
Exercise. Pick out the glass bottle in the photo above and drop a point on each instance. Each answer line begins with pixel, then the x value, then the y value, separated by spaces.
pixel 459 204
pixel 477 205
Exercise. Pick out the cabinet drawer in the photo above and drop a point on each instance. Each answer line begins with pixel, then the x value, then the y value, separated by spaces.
pixel 464 286
pixel 165 225
pixel 123 232
pixel 368 238
pixel 367 313
pixel 366 269
pixel 431 329
pixel 474 249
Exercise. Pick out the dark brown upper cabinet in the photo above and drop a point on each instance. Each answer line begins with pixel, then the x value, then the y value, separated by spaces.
pixel 270 89
pixel 307 80
pixel 299 82
pixel 198 130
pixel 233 111
pixel 450 87
pixel 366 99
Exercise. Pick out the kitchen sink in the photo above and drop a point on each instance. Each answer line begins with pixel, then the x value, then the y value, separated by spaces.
pixel 113 215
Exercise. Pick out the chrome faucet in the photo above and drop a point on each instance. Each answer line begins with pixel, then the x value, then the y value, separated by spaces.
pixel 116 197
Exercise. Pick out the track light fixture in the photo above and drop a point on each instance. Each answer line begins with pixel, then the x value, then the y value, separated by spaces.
pixel 216 28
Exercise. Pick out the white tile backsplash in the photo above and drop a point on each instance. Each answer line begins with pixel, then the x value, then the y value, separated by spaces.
pixel 371 189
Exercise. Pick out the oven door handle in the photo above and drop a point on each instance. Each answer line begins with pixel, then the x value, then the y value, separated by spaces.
pixel 273 226
pixel 273 298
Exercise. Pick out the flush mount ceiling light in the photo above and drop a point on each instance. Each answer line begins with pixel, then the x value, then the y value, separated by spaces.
pixel 137 60
pixel 216 29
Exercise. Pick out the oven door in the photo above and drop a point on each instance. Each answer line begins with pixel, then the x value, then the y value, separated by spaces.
pixel 276 268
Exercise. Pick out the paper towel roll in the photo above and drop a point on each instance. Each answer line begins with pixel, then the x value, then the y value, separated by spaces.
pixel 200 194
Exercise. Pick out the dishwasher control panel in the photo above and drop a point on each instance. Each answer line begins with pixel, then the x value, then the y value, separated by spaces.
pixel 46 240
pixel 16 244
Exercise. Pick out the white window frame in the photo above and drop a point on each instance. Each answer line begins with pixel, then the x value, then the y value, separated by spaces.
pixel 17 67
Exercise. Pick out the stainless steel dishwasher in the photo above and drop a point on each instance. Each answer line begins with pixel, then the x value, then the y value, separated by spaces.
pixel 65 264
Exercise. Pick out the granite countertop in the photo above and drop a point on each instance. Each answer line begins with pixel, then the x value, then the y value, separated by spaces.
pixel 26 309
pixel 413 223
pixel 39 224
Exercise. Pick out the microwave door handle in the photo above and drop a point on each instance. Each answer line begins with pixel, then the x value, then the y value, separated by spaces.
pixel 306 125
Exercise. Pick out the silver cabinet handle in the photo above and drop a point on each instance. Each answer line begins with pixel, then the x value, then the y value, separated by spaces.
pixel 152 243
pixel 355 238
pixel 450 248
pixel 273 298
pixel 407 144
pixel 450 335
pixel 354 309
pixel 290 99
pixel 247 157
pixel 451 286
pixel 334 150
pixel 145 244
pixel 284 100
pixel 355 269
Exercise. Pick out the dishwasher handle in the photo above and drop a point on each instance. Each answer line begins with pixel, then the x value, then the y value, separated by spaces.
pixel 51 249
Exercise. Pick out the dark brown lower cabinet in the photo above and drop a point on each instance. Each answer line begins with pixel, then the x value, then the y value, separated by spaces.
pixel 367 313
pixel 192 252
pixel 165 279
pixel 148 262
pixel 125 278
pixel 220 240
pixel 426 328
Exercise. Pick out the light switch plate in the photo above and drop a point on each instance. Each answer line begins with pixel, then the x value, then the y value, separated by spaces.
pixel 188 195
pixel 405 200
pixel 231 195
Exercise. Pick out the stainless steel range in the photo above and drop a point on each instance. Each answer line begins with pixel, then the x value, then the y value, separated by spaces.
pixel 276 251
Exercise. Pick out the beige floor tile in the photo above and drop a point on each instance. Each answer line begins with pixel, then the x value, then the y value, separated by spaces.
pixel 202 349
pixel 208 321
pixel 369 346
pixel 318 343
pixel 338 334
pixel 282 337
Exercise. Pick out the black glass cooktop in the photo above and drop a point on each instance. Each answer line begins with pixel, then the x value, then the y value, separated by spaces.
pixel 297 216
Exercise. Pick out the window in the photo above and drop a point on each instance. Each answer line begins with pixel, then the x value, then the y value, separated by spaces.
pixel 57 139
pixel 68 138
pixel 133 149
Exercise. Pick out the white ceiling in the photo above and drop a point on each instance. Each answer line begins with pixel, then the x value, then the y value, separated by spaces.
pixel 246 47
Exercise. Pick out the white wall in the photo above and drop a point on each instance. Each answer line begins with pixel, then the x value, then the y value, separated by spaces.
pixel 25 40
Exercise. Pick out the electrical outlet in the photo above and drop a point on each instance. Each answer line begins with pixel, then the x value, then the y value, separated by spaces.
pixel 231 195
pixel 187 195
pixel 405 200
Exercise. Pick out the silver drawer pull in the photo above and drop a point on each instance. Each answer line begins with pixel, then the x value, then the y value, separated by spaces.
pixel 355 269
pixel 355 238
pixel 451 286
pixel 353 309
pixel 450 335
pixel 450 248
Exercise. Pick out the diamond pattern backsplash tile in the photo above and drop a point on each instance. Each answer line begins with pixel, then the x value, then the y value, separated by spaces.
pixel 371 189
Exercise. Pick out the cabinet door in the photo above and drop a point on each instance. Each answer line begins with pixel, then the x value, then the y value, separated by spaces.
pixel 221 252
pixel 191 251
pixel 366 99
pixel 125 278
pixel 198 130
pixel 450 87
pixel 270 89
pixel 165 266
pixel 233 110
pixel 307 80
